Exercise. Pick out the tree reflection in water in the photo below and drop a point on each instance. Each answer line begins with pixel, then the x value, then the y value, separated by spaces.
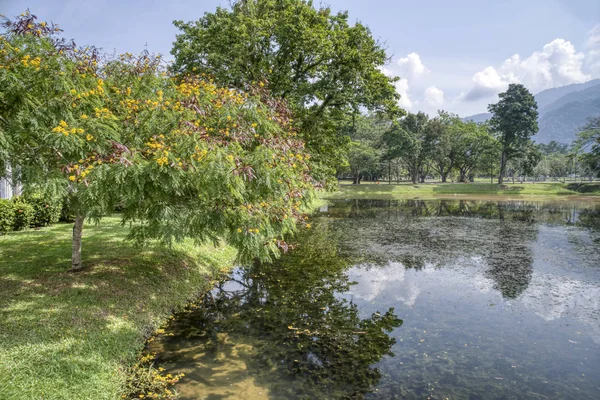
pixel 309 342
pixel 418 233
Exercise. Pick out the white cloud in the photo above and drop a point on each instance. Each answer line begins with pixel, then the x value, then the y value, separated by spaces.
pixel 434 96
pixel 402 89
pixel 557 64
pixel 411 66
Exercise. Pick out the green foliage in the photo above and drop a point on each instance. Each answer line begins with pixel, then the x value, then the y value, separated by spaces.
pixel 362 159
pixel 7 215
pixel 185 156
pixel 477 150
pixel 24 214
pixel 46 211
pixel 514 121
pixel 553 147
pixel 588 143
pixel 326 68
pixel 408 139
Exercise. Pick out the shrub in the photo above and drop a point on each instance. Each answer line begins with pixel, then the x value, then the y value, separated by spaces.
pixel 7 216
pixel 46 211
pixel 24 214
pixel 66 215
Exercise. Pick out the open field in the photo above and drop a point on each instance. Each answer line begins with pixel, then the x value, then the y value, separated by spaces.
pixel 466 190
pixel 71 335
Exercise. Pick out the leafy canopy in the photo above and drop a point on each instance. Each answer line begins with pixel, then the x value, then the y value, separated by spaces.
pixel 515 118
pixel 183 155
pixel 325 67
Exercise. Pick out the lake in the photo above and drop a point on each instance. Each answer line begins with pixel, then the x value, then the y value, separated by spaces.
pixel 406 300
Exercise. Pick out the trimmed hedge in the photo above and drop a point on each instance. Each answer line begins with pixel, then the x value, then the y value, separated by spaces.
pixel 7 215
pixel 33 211
pixel 24 214
pixel 45 212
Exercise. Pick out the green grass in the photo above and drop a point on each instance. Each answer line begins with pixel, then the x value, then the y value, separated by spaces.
pixel 472 190
pixel 72 335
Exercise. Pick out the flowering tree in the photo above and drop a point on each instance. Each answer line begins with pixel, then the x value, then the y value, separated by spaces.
pixel 184 156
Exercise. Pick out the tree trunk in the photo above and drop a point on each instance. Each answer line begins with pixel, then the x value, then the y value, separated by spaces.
pixel 76 244
pixel 444 177
pixel 502 168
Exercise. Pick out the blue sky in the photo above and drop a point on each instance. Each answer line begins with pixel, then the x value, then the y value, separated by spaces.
pixel 454 55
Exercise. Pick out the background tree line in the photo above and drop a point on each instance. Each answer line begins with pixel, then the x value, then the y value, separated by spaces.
pixel 416 147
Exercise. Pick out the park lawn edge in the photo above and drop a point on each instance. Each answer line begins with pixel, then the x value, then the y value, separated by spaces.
pixel 74 335
pixel 472 191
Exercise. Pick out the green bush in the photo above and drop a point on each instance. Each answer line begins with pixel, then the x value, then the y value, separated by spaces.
pixel 7 216
pixel 65 212
pixel 46 211
pixel 24 214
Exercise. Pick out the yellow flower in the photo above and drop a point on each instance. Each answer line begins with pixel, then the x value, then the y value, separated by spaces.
pixel 89 137
pixel 72 178
pixel 84 116
pixel 73 91
pixel 239 230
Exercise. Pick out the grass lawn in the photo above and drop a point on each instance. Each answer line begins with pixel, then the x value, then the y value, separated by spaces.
pixel 471 190
pixel 71 335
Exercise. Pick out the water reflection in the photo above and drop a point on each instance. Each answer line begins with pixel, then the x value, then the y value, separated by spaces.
pixel 499 301
pixel 300 339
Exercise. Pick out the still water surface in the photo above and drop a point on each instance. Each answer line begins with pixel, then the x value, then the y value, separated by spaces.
pixel 406 300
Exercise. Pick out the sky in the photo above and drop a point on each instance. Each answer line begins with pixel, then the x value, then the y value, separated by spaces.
pixel 452 55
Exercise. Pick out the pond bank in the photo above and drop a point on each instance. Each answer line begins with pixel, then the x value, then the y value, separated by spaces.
pixel 409 299
pixel 72 336
pixel 472 191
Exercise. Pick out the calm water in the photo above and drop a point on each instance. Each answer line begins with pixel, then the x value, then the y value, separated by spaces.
pixel 406 300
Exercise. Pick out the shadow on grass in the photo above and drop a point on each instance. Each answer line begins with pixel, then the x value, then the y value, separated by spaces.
pixel 68 334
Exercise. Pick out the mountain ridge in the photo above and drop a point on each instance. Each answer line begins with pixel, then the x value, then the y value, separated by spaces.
pixel 562 111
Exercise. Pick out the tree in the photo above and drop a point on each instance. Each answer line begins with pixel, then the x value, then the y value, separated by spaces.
pixel 406 139
pixel 445 136
pixel 524 162
pixel 326 68
pixel 184 156
pixel 474 145
pixel 588 142
pixel 362 159
pixel 514 121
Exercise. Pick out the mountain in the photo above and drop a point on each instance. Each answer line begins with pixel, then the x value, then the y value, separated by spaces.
pixel 546 97
pixel 562 111
pixel 478 117
pixel 563 123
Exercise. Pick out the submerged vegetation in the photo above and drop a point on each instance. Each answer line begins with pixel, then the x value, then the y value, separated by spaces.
pixel 471 282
